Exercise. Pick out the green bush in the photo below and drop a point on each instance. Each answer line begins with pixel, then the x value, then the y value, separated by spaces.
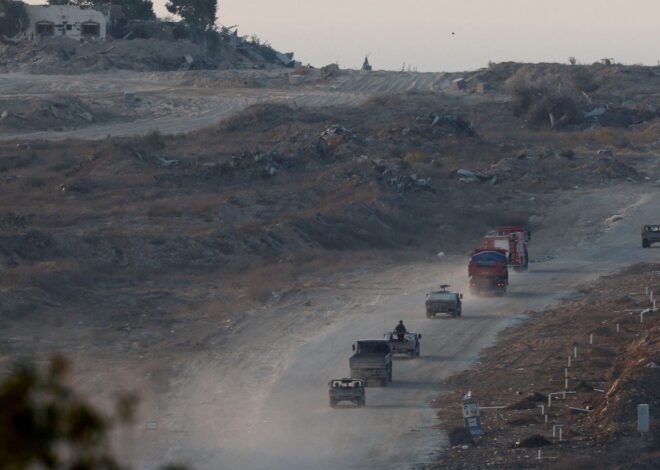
pixel 13 18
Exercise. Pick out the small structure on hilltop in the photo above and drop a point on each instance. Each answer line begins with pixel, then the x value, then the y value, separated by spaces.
pixel 65 20
pixel 366 66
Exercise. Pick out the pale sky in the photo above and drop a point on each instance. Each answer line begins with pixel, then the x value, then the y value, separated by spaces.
pixel 419 32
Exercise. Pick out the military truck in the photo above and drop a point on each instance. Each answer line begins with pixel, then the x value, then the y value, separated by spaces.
pixel 444 301
pixel 347 389
pixel 650 235
pixel 372 361
pixel 409 345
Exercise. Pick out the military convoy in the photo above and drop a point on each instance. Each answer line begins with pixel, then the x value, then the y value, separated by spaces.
pixel 371 362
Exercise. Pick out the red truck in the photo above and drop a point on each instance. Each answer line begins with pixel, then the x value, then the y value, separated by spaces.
pixel 488 271
pixel 514 240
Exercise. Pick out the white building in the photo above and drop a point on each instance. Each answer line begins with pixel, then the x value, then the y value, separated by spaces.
pixel 65 20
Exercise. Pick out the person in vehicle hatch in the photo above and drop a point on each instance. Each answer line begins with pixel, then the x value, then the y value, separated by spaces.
pixel 400 330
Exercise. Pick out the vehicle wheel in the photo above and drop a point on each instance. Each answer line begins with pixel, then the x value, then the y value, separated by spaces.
pixel 417 352
pixel 428 315
pixel 333 403
pixel 645 243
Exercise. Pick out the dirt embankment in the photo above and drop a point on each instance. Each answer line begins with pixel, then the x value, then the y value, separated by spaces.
pixel 616 368
pixel 269 194
pixel 67 56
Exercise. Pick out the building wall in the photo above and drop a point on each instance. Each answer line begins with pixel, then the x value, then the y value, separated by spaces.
pixel 65 20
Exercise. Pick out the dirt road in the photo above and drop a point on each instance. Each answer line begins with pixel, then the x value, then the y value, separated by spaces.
pixel 179 102
pixel 263 403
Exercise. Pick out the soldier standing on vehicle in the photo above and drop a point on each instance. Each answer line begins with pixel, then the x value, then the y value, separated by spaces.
pixel 400 330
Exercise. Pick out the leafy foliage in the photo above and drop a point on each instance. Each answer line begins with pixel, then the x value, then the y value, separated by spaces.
pixel 13 18
pixel 198 14
pixel 44 423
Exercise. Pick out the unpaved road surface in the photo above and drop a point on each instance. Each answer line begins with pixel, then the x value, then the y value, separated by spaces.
pixel 179 102
pixel 259 400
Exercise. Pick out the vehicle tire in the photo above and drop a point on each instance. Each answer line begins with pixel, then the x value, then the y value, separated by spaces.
pixel 645 243
pixel 417 352
pixel 428 315
pixel 333 403
pixel 359 403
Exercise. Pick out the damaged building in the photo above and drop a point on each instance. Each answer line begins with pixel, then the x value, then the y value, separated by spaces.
pixel 65 20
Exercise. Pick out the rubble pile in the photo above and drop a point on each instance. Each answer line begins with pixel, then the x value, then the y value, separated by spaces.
pixel 62 55
pixel 613 369
pixel 58 113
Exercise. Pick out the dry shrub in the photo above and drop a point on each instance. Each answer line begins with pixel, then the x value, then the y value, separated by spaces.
pixel 548 101
pixel 416 156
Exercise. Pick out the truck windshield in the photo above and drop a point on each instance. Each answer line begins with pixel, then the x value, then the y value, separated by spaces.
pixel 374 347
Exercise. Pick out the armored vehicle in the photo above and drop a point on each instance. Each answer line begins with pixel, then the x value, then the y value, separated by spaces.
pixel 409 345
pixel 346 389
pixel 443 301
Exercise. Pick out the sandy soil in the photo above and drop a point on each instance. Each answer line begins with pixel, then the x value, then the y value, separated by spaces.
pixel 178 102
pixel 228 295
pixel 265 406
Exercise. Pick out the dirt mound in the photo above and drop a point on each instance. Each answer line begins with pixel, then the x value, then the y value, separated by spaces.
pixel 460 436
pixel 530 442
pixel 530 402
pixel 58 113
pixel 65 56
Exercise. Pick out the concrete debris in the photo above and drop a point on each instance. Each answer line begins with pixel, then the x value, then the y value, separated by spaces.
pixel 329 71
pixel 612 219
pixel 405 183
pixel 334 131
pixel 468 176
pixel 458 84
pixel 594 113
pixel 164 162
